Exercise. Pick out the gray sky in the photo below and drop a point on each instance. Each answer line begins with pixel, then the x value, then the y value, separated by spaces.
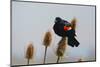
pixel 31 20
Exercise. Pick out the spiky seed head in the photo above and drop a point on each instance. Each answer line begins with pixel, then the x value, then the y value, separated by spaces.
pixel 30 51
pixel 73 23
pixel 61 47
pixel 47 39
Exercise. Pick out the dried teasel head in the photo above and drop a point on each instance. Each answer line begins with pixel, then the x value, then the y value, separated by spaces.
pixel 73 23
pixel 30 51
pixel 47 39
pixel 61 47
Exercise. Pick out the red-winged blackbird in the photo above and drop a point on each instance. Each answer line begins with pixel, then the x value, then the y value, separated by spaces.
pixel 63 29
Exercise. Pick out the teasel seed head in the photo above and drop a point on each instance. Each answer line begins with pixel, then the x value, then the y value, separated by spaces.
pixel 47 39
pixel 30 51
pixel 61 47
pixel 73 23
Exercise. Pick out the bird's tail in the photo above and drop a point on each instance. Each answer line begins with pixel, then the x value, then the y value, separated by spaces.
pixel 73 42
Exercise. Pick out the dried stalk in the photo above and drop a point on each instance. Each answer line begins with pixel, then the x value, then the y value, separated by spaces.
pixel 45 54
pixel 80 60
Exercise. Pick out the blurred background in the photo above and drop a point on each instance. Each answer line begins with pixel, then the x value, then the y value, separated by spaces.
pixel 31 20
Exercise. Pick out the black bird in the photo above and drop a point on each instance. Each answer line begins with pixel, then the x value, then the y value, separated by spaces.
pixel 65 29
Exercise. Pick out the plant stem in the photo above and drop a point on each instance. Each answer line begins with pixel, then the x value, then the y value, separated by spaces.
pixel 58 59
pixel 45 54
pixel 28 61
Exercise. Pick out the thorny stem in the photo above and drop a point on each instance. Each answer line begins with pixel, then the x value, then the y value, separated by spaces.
pixel 45 54
pixel 28 61
pixel 58 59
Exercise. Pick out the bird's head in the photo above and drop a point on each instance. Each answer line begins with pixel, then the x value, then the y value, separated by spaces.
pixel 58 19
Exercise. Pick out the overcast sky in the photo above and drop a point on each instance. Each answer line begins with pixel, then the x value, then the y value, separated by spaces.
pixel 31 20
